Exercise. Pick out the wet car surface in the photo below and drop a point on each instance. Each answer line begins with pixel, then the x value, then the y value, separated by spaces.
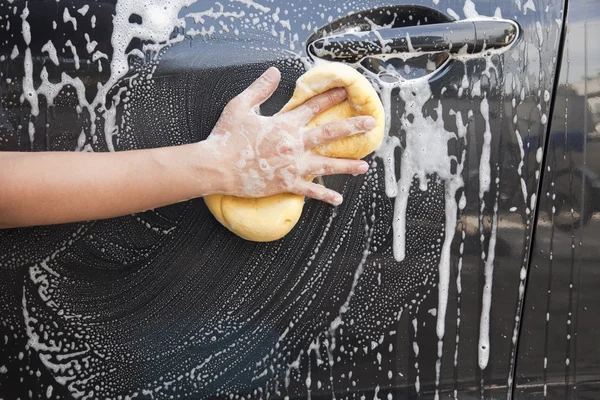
pixel 461 266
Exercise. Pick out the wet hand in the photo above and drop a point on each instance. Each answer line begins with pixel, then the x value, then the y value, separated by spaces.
pixel 261 156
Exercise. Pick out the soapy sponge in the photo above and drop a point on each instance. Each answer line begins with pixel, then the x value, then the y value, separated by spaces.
pixel 270 218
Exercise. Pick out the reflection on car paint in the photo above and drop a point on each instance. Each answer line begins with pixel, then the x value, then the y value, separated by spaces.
pixel 425 154
pixel 563 305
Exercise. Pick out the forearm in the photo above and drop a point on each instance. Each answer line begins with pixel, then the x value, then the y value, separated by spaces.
pixel 61 187
pixel 245 155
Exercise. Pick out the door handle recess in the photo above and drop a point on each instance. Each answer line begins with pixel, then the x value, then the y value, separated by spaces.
pixel 459 37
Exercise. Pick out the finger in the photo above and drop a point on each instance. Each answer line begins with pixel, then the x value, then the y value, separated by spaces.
pixel 335 130
pixel 318 104
pixel 261 89
pixel 318 192
pixel 318 165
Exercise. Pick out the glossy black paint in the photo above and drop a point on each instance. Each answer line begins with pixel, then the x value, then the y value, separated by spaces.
pixel 156 288
pixel 559 348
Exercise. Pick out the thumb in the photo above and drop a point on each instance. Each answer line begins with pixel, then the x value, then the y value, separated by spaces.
pixel 262 88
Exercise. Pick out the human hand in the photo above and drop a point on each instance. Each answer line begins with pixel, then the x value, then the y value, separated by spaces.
pixel 262 156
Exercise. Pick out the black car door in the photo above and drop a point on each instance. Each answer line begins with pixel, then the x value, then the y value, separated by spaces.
pixel 559 356
pixel 412 288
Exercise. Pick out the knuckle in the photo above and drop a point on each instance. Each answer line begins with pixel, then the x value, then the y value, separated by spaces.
pixel 347 128
pixel 331 97
pixel 311 192
pixel 328 131
pixel 328 168
pixel 266 79
pixel 314 107
pixel 359 123
pixel 292 170
pixel 285 149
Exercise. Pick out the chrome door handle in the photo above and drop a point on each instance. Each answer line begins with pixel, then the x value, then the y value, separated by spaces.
pixel 460 37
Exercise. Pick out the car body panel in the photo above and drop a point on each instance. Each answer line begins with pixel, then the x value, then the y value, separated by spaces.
pixel 168 302
pixel 558 349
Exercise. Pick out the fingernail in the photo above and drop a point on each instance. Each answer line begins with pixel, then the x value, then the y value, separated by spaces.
pixel 340 92
pixel 271 74
pixel 337 199
pixel 369 123
pixel 363 168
